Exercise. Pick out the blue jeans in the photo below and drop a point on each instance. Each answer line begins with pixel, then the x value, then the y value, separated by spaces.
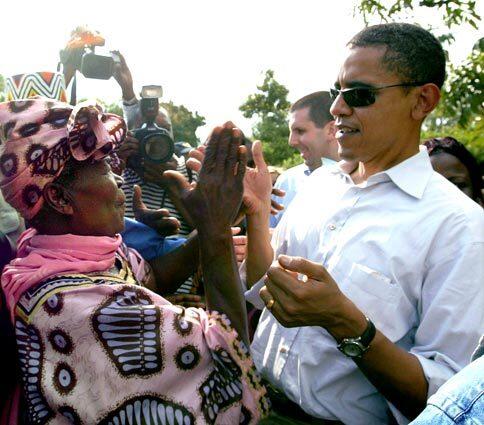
pixel 459 401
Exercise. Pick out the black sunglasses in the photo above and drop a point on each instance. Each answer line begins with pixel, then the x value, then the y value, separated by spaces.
pixel 364 96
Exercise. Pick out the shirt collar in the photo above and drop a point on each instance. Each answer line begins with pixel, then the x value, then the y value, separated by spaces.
pixel 326 162
pixel 411 175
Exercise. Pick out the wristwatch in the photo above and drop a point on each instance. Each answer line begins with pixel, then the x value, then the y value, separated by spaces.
pixel 354 348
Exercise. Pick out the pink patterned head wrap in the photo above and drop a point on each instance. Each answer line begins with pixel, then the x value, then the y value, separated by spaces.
pixel 40 135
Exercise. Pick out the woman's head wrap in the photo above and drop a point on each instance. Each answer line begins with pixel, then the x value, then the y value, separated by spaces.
pixel 38 136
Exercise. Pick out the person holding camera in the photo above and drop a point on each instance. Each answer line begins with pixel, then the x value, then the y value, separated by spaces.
pixel 148 152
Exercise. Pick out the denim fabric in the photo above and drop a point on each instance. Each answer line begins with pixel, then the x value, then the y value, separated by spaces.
pixel 459 401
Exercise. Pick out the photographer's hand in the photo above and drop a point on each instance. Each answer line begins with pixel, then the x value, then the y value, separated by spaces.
pixel 129 147
pixel 123 76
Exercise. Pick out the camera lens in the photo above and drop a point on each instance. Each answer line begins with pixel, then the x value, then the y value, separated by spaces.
pixel 158 147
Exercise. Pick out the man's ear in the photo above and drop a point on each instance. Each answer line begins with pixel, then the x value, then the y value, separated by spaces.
pixel 58 198
pixel 427 100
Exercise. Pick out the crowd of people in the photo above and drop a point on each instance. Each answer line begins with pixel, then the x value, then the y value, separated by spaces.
pixel 209 287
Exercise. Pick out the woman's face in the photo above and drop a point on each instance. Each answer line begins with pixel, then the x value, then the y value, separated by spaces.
pixel 453 170
pixel 98 201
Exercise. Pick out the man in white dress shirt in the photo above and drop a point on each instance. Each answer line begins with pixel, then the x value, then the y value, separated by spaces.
pixel 378 298
pixel 312 133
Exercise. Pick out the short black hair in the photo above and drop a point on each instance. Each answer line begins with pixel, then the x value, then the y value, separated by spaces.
pixel 411 51
pixel 318 104
pixel 454 147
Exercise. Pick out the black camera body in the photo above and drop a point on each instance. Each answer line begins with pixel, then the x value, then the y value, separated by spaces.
pixel 90 63
pixel 155 143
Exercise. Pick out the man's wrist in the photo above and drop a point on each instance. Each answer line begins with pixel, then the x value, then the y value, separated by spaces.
pixel 129 98
pixel 260 219
pixel 349 322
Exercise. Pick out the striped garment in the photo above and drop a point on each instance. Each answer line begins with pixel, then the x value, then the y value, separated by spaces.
pixel 155 197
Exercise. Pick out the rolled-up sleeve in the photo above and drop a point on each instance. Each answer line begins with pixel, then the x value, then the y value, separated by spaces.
pixel 452 316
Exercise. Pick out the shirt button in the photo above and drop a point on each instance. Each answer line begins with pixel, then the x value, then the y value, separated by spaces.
pixel 332 227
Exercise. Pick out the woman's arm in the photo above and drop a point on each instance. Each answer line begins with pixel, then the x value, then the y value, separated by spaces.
pixel 213 204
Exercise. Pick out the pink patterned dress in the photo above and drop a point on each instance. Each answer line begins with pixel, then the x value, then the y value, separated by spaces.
pixel 98 348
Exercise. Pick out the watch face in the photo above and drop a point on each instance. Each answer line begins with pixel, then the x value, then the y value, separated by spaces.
pixel 352 349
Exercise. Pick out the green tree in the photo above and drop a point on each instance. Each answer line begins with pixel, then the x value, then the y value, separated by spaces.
pixel 113 108
pixel 454 12
pixel 185 123
pixel 2 88
pixel 459 113
pixel 271 107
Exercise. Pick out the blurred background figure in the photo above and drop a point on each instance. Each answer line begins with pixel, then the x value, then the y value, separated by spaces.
pixel 451 159
pixel 312 133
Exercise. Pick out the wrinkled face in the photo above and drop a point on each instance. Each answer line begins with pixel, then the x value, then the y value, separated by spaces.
pixel 98 201
pixel 308 139
pixel 453 170
pixel 369 132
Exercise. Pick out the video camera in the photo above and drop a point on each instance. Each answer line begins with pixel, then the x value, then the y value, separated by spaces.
pixel 90 63
pixel 155 142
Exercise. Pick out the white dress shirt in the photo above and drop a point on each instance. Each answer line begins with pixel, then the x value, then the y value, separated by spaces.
pixel 291 181
pixel 407 247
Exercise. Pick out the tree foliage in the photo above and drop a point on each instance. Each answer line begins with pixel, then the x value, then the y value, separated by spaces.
pixel 185 123
pixel 113 108
pixel 455 12
pixel 2 88
pixel 270 107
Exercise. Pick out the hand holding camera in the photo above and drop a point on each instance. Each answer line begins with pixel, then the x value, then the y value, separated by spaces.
pixel 80 54
pixel 123 76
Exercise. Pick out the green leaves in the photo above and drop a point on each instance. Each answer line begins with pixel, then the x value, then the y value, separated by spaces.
pixel 184 122
pixel 455 12
pixel 271 107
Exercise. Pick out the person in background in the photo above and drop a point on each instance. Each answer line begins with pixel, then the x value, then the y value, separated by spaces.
pixel 157 192
pixel 312 133
pixel 451 159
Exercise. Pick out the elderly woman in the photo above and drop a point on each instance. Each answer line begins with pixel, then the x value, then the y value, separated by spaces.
pixel 94 344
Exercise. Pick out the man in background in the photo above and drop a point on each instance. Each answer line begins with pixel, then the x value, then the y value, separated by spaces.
pixel 312 133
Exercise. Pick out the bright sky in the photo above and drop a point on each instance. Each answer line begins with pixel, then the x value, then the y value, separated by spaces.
pixel 207 55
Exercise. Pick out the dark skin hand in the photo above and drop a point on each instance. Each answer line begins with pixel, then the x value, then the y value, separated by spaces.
pixel 151 172
pixel 174 268
pixel 216 198
pixel 254 191
pixel 187 300
pixel 257 207
pixel 160 219
pixel 154 173
pixel 318 301
pixel 123 76
pixel 129 148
